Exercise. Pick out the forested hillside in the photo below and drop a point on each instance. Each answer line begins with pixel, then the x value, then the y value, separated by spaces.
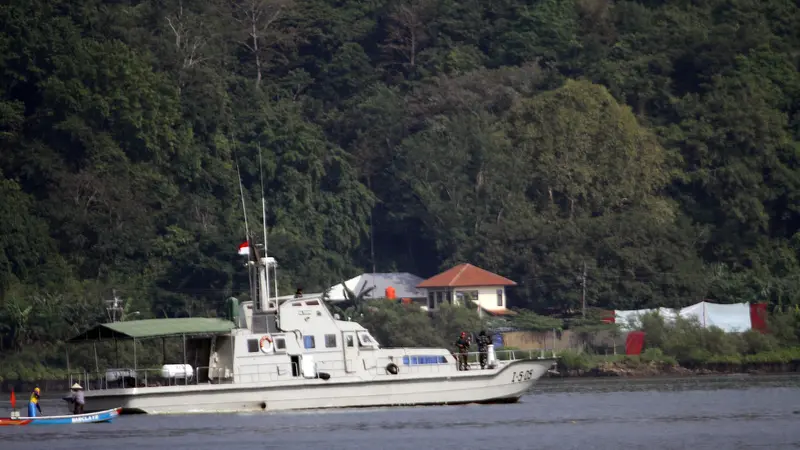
pixel 654 142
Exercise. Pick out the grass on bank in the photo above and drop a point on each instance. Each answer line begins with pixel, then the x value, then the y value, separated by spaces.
pixel 687 344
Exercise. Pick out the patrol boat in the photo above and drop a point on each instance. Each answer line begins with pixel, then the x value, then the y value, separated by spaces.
pixel 289 353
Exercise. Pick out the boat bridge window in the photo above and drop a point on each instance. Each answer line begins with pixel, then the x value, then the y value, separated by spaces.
pixel 330 341
pixel 349 340
pixel 366 340
pixel 280 343
pixel 252 346
pixel 424 359
pixel 308 342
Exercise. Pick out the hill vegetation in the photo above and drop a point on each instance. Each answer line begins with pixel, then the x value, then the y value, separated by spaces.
pixel 654 142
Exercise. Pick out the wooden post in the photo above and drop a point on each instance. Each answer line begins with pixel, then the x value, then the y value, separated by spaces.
pixel 135 373
pixel 69 372
pixel 583 298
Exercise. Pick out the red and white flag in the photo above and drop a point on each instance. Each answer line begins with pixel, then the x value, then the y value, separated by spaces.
pixel 244 249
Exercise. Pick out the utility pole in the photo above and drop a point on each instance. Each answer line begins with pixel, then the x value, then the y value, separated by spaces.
pixel 583 297
pixel 371 231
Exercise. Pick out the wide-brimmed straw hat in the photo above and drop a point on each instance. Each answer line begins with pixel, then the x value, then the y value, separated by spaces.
pixel 76 386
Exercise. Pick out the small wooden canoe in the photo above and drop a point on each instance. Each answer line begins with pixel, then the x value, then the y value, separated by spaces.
pixel 95 417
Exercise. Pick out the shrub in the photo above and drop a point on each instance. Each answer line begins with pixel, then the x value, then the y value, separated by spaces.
pixel 572 360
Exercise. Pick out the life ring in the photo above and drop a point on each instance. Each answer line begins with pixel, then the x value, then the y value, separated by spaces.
pixel 392 368
pixel 265 344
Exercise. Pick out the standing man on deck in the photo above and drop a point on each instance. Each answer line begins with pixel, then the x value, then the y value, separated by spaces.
pixel 33 403
pixel 463 346
pixel 483 346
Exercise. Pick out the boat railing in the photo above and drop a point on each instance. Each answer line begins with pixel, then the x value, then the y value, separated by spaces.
pixel 473 360
pixel 144 377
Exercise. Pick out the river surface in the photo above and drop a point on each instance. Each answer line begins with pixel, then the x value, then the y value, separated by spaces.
pixel 720 413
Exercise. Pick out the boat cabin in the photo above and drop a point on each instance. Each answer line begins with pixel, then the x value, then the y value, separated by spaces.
pixel 275 339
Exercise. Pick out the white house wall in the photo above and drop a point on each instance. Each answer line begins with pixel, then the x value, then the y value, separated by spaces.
pixel 487 297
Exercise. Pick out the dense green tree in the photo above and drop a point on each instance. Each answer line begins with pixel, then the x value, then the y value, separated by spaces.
pixel 654 144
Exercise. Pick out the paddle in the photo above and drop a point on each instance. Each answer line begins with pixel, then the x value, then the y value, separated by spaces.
pixel 13 400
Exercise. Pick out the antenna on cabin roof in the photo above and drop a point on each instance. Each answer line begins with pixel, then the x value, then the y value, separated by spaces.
pixel 266 246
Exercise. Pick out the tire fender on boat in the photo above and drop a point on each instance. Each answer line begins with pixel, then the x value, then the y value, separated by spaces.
pixel 392 368
pixel 265 343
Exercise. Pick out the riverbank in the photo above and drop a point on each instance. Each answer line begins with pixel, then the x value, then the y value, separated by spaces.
pixel 654 363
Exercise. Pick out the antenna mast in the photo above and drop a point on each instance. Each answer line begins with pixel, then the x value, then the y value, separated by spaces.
pixel 264 227
pixel 246 238
pixel 244 207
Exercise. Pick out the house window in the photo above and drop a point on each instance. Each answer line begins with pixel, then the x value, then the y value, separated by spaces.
pixel 431 304
pixel 330 341
pixel 252 346
pixel 449 297
pixel 439 298
pixel 308 341
pixel 500 298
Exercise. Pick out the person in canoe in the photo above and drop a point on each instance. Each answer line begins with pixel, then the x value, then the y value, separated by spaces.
pixel 77 399
pixel 33 403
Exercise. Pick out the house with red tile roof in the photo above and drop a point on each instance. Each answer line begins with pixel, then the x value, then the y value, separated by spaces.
pixel 465 281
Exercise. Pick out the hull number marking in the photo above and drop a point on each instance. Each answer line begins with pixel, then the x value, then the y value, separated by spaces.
pixel 518 377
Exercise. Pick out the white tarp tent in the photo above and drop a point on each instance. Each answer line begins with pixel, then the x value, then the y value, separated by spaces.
pixel 404 283
pixel 730 318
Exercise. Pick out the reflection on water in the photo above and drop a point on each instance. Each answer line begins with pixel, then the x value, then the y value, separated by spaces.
pixel 706 413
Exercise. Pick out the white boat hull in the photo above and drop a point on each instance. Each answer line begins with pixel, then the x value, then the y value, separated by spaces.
pixel 506 383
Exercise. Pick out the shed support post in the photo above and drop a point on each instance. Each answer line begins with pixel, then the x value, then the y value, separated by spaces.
pixel 135 372
pixel 185 378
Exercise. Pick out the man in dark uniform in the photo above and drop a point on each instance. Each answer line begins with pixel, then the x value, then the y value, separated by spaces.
pixel 483 346
pixel 463 346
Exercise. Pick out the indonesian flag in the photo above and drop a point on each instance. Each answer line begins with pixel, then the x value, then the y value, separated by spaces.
pixel 244 249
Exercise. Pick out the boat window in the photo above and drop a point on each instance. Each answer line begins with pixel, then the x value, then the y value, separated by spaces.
pixel 424 359
pixel 366 339
pixel 280 343
pixel 330 341
pixel 312 303
pixel 349 340
pixel 252 345
pixel 308 341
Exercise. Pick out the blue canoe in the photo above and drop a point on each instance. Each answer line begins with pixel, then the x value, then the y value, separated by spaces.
pixel 96 417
